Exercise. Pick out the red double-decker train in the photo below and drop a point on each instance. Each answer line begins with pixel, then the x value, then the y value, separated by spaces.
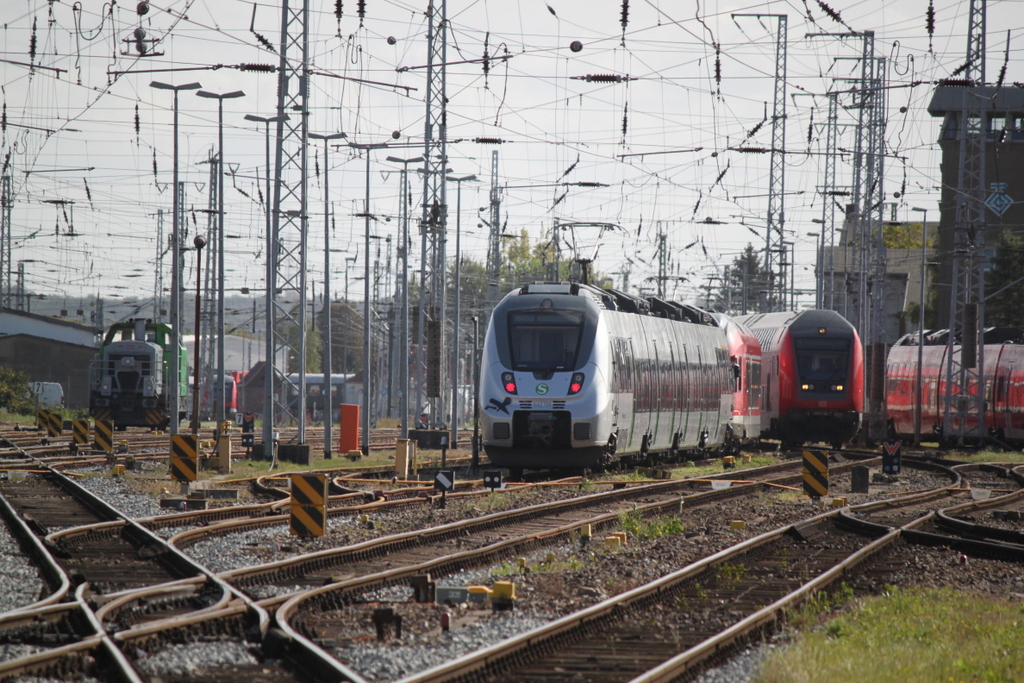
pixel 812 376
pixel 1004 385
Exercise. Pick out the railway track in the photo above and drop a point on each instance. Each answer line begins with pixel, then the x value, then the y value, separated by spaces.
pixel 149 626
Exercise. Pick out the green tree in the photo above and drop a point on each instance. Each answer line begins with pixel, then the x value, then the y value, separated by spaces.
pixel 14 391
pixel 902 235
pixel 1002 310
pixel 745 278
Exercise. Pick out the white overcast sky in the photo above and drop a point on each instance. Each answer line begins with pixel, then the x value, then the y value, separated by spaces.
pixel 61 123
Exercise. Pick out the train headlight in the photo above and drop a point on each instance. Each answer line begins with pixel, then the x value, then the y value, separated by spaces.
pixel 508 381
pixel 105 385
pixel 576 383
pixel 837 387
pixel 806 387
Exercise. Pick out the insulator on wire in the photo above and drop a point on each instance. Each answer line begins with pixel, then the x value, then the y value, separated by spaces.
pixel 487 57
pixel 832 14
pixel 625 119
pixel 138 125
pixel 154 165
pixel 338 4
pixel 929 22
pixel 624 19
pixel 257 67
pixel 361 11
pixel 32 43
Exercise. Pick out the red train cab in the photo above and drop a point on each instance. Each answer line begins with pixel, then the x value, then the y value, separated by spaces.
pixel 812 370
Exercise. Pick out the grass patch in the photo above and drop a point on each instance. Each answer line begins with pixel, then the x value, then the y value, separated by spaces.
pixel 985 456
pixel 646 529
pixel 926 636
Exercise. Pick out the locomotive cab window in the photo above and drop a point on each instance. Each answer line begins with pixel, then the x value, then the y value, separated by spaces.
pixel 822 360
pixel 546 339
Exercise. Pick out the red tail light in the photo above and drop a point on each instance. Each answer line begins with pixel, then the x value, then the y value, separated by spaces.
pixel 576 383
pixel 508 381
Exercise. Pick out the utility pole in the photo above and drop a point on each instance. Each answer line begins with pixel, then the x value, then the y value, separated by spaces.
pixel 494 237
pixel 6 205
pixel 209 383
pixel 435 206
pixel 776 260
pixel 286 250
pixel 964 411
pixel 158 275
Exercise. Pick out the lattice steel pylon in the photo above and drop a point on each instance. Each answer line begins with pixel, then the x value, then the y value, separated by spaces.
pixel 433 225
pixel 211 278
pixel 494 236
pixel 964 409
pixel 776 259
pixel 158 274
pixel 828 217
pixel 6 204
pixel 286 248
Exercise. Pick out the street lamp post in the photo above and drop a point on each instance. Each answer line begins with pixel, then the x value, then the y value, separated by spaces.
pixel 268 384
pixel 328 408
pixel 403 332
pixel 920 331
pixel 199 241
pixel 458 286
pixel 175 378
pixel 218 383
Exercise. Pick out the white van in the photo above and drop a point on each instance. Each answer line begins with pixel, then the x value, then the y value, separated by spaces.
pixel 47 394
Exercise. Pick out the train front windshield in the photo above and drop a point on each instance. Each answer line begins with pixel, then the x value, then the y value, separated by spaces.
pixel 545 339
pixel 821 359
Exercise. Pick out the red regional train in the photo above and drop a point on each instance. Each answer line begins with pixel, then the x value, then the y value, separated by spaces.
pixel 812 376
pixel 1004 384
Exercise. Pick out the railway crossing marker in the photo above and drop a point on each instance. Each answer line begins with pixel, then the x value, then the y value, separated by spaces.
pixel 308 505
pixel 816 473
pixel 103 433
pixel 41 418
pixel 80 432
pixel 184 457
pixel 891 457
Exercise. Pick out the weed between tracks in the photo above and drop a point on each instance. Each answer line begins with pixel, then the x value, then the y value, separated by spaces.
pixel 916 636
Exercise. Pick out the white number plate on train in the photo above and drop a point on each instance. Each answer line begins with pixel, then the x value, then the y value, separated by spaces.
pixel 542 405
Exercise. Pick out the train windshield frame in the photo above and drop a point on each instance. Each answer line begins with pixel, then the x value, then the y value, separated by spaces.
pixel 822 359
pixel 545 338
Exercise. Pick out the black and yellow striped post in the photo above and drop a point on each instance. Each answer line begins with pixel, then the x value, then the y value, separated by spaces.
pixel 154 416
pixel 80 432
pixel 816 473
pixel 309 505
pixel 42 418
pixel 54 424
pixel 184 457
pixel 103 433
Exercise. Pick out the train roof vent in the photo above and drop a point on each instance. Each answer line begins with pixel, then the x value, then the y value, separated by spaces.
pixel 628 304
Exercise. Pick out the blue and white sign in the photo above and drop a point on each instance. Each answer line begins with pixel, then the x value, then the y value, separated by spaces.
pixel 998 201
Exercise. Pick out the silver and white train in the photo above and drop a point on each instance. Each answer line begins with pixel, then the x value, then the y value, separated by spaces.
pixel 573 376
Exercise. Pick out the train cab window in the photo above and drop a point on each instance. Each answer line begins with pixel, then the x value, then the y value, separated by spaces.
pixel 822 359
pixel 545 339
